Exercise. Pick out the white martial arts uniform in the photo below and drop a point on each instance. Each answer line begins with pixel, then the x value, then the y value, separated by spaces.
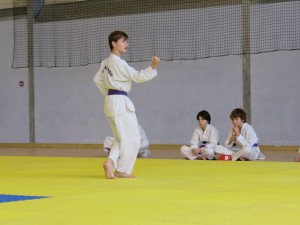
pixel 144 146
pixel 247 141
pixel 206 139
pixel 116 74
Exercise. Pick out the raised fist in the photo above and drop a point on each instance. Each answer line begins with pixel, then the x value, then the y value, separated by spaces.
pixel 155 62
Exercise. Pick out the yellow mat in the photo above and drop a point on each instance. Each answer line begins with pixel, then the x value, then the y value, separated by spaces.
pixel 165 192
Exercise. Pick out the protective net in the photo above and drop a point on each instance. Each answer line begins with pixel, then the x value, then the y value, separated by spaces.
pixel 75 33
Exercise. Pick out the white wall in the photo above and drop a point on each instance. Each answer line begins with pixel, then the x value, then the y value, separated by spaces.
pixel 276 97
pixel 14 117
pixel 69 108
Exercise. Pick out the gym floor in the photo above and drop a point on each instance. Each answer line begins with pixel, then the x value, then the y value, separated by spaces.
pixel 272 153
pixel 64 186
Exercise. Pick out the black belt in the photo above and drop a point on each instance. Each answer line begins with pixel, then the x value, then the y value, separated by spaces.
pixel 116 92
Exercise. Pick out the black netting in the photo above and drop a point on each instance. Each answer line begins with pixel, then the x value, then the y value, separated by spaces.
pixel 73 33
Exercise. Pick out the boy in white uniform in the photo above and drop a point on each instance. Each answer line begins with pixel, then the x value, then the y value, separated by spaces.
pixel 114 81
pixel 242 142
pixel 204 138
pixel 144 146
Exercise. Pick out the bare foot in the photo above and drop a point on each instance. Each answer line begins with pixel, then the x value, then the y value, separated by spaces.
pixel 237 155
pixel 108 167
pixel 297 159
pixel 242 159
pixel 123 175
pixel 202 158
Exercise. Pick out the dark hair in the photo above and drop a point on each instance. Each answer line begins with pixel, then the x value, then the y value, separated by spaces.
pixel 204 115
pixel 238 113
pixel 115 36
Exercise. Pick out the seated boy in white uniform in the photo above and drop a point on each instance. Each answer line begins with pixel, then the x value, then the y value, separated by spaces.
pixel 242 142
pixel 144 147
pixel 204 138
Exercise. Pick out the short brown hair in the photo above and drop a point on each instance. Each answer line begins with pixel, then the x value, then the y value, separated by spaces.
pixel 115 36
pixel 238 112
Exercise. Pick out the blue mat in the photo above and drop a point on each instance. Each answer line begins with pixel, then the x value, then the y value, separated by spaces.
pixel 13 198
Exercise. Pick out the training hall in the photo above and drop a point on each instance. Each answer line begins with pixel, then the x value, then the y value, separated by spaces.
pixel 215 55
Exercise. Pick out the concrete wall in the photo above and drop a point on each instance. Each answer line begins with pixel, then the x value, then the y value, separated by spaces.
pixel 69 107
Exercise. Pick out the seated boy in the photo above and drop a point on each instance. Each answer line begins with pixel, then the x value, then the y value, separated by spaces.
pixel 242 142
pixel 144 146
pixel 204 138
